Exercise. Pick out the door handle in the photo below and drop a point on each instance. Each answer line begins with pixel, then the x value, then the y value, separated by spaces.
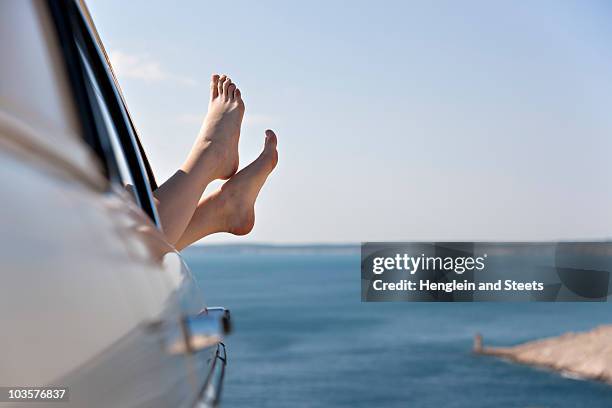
pixel 207 328
pixel 220 313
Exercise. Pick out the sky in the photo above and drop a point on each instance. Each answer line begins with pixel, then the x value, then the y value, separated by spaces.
pixel 441 120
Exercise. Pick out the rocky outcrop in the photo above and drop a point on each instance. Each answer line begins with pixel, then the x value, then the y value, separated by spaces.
pixel 584 355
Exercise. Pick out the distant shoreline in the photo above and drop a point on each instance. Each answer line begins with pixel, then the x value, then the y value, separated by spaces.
pixel 268 248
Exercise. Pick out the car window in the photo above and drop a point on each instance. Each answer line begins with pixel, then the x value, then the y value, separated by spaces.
pixel 125 177
pixel 105 122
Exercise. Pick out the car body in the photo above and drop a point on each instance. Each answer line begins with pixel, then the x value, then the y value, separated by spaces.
pixel 93 298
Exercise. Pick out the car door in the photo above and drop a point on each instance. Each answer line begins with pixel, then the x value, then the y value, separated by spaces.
pixel 174 294
pixel 93 297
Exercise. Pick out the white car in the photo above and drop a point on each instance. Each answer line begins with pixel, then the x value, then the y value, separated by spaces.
pixel 93 300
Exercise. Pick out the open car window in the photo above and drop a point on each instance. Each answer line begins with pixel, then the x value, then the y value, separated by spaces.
pixel 106 125
pixel 123 173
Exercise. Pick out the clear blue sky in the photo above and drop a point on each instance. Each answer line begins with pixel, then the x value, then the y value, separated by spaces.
pixel 396 120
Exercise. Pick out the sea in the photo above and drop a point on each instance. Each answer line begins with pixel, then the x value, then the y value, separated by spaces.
pixel 303 338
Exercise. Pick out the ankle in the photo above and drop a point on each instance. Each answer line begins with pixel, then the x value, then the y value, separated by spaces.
pixel 210 161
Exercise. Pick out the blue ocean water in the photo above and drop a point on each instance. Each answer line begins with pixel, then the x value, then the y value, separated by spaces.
pixel 303 339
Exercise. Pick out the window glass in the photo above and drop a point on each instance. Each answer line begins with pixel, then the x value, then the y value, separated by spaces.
pixel 125 174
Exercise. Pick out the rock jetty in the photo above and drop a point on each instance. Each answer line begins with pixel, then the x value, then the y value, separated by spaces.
pixel 585 355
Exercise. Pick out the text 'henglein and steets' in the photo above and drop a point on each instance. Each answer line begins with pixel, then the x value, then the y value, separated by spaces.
pixel 458 265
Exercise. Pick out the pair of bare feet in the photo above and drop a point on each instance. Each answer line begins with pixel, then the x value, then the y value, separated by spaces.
pixel 187 217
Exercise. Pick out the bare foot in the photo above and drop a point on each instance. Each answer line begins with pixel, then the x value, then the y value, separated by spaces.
pixel 240 192
pixel 231 208
pixel 220 130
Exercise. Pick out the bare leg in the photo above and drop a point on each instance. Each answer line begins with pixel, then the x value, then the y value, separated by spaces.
pixel 213 156
pixel 231 209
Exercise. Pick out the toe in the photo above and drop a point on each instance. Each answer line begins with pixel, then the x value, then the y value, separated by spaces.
pixel 220 83
pixel 214 81
pixel 271 140
pixel 226 85
pixel 237 94
pixel 231 91
pixel 269 156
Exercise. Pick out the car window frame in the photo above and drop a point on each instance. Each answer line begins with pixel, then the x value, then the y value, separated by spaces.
pixel 71 28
